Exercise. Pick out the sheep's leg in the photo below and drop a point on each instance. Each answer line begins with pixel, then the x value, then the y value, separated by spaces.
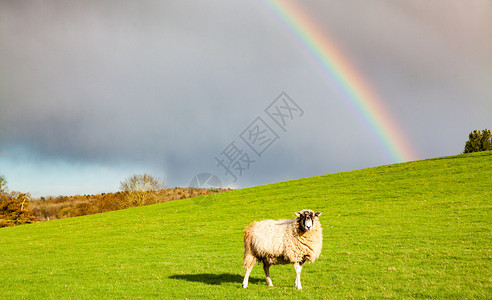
pixel 246 277
pixel 298 268
pixel 249 263
pixel 266 268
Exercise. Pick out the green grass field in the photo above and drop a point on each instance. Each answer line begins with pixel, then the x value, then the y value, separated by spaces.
pixel 412 230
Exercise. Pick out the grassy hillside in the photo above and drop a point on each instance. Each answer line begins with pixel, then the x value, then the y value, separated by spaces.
pixel 418 229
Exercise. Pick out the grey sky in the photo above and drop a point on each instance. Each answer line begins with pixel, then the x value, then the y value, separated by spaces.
pixel 93 91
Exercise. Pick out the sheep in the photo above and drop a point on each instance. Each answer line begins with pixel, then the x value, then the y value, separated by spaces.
pixel 282 242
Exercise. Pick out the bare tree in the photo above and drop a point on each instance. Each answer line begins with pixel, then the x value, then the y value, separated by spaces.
pixel 3 184
pixel 141 189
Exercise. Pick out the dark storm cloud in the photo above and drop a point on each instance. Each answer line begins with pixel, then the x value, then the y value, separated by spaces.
pixel 90 79
pixel 170 84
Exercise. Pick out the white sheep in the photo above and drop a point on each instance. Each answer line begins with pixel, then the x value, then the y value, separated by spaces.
pixel 282 242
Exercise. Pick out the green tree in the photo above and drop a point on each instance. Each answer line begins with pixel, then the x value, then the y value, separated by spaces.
pixel 478 141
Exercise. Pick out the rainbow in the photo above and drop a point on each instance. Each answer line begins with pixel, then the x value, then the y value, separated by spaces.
pixel 342 72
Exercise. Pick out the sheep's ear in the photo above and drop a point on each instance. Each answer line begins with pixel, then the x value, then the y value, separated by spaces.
pixel 317 214
pixel 298 213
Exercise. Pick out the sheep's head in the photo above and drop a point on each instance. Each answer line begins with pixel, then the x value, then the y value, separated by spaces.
pixel 306 218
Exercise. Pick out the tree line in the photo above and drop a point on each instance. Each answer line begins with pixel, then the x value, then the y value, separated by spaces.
pixel 138 190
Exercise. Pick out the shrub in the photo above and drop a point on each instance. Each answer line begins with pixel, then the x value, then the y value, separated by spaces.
pixel 13 209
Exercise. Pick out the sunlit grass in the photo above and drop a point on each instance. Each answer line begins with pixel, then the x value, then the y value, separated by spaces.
pixel 419 229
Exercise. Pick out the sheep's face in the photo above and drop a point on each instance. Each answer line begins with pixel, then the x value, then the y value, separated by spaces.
pixel 306 219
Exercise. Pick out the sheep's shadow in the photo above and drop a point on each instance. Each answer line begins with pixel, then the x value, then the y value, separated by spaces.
pixel 213 279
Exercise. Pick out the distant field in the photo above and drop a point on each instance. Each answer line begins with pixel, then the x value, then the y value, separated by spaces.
pixel 419 229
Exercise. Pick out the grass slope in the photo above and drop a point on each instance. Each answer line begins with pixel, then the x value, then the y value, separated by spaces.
pixel 418 229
